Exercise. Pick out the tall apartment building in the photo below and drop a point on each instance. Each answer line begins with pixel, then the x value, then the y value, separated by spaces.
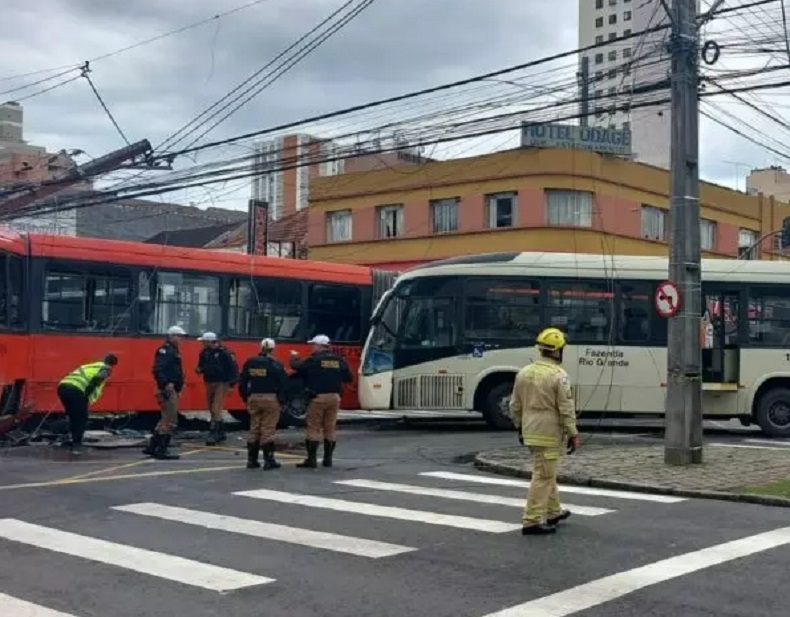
pixel 617 68
pixel 297 159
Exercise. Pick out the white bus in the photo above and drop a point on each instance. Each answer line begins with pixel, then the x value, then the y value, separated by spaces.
pixel 452 334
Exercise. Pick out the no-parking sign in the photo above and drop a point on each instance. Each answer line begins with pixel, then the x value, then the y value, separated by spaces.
pixel 667 299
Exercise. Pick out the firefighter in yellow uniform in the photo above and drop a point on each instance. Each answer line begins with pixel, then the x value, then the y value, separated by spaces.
pixel 544 413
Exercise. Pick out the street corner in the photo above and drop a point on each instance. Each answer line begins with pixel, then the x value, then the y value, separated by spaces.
pixel 728 472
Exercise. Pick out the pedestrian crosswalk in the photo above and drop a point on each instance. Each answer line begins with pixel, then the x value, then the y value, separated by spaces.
pixel 419 505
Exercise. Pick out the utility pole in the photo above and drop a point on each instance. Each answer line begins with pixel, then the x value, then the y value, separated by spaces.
pixel 584 89
pixel 683 433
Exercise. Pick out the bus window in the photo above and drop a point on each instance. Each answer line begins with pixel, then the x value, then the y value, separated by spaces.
pixel 87 301
pixel 769 317
pixel 191 301
pixel 335 310
pixel 582 310
pixel 635 307
pixel 429 322
pixel 265 308
pixel 14 299
pixel 501 309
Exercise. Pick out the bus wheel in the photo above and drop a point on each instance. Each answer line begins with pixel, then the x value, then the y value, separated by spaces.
pixel 293 413
pixel 773 412
pixel 496 407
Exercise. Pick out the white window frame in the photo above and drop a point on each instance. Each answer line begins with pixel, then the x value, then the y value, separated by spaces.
pixel 338 226
pixel 492 204
pixel 390 221
pixel 747 238
pixel 569 208
pixel 444 215
pixel 654 223
pixel 707 234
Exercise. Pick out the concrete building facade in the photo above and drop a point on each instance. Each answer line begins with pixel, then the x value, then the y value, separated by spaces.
pixel 524 200
pixel 617 69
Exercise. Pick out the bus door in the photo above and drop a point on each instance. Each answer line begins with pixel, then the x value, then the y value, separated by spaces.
pixel 720 337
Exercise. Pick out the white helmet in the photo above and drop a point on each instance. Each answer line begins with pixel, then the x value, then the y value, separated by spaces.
pixel 176 331
pixel 208 336
pixel 268 343
pixel 319 339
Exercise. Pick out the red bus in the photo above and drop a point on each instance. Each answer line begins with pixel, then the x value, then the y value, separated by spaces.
pixel 66 301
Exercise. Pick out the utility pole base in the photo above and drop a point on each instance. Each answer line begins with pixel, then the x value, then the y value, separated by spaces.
pixel 680 457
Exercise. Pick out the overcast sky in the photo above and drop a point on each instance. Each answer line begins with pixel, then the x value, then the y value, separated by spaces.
pixel 393 47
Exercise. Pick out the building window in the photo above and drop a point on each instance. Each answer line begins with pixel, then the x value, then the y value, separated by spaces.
pixel 599 39
pixel 627 32
pixel 612 2
pixel 612 91
pixel 598 75
pixel 612 19
pixel 191 301
pixel 598 94
pixel 654 223
pixel 612 73
pixel 501 210
pixel 627 16
pixel 598 58
pixel 264 308
pixel 612 36
pixel 627 52
pixel 707 231
pixel 87 301
pixel 444 215
pixel 571 208
pixel 390 221
pixel 338 226
pixel 599 22
pixel 747 244
pixel 626 126
pixel 613 55
pixel 598 4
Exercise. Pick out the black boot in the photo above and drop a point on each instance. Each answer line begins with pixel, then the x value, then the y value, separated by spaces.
pixel 538 530
pixel 213 434
pixel 329 448
pixel 252 455
pixel 311 462
pixel 162 451
pixel 563 515
pixel 269 462
pixel 151 445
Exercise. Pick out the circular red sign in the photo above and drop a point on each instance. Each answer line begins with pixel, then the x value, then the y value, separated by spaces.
pixel 667 299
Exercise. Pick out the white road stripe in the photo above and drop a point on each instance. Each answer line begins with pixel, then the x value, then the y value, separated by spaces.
pixel 369 509
pixel 13 607
pixel 740 445
pixel 618 585
pixel 282 533
pixel 164 566
pixel 516 502
pixel 773 442
pixel 581 490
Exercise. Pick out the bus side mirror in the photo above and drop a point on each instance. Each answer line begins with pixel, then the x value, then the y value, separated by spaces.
pixel 786 232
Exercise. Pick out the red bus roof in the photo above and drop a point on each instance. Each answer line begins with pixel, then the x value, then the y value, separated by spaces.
pixel 174 257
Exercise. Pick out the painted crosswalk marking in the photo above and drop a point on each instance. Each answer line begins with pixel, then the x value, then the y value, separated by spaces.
pixel 14 607
pixel 462 495
pixel 581 490
pixel 141 560
pixel 369 509
pixel 576 599
pixel 292 535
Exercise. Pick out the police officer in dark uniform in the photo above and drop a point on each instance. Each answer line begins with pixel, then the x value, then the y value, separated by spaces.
pixel 168 373
pixel 217 365
pixel 324 373
pixel 261 384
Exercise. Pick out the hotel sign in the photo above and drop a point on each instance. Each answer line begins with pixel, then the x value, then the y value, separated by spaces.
pixel 596 139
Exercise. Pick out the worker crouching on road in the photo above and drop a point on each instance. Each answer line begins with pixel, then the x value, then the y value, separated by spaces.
pixel 324 374
pixel 261 383
pixel 168 373
pixel 79 390
pixel 543 411
pixel 217 365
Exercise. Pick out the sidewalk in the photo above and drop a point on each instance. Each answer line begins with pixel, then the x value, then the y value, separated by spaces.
pixel 736 474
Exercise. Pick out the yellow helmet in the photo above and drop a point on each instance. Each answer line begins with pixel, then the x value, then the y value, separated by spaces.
pixel 551 339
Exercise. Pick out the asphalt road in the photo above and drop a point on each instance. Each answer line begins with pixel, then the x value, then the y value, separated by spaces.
pixel 394 541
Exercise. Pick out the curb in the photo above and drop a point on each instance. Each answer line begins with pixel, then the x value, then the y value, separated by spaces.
pixel 485 464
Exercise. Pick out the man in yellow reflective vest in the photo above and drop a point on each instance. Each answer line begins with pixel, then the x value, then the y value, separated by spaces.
pixel 79 390
pixel 544 413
